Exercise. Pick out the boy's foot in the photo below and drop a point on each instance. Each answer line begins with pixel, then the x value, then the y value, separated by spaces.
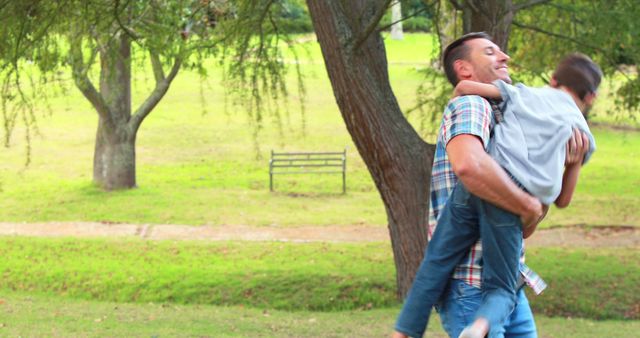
pixel 397 334
pixel 478 329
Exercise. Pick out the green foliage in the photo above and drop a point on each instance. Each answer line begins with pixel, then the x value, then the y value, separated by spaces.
pixel 295 17
pixel 605 30
pixel 255 43
pixel 24 39
pixel 296 277
pixel 416 16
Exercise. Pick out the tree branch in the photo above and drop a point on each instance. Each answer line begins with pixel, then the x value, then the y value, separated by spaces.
pixel 156 64
pixel 403 19
pixel 606 53
pixel 82 81
pixel 156 95
pixel 528 4
pixel 116 14
pixel 559 36
pixel 456 5
pixel 371 26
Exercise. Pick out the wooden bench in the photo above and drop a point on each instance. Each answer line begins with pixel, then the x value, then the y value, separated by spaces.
pixel 308 163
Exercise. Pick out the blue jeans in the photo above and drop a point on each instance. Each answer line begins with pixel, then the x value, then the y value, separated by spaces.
pixel 458 307
pixel 463 220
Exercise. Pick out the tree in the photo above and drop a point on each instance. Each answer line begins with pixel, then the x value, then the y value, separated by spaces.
pixel 397 158
pixel 118 33
pixel 109 36
pixel 162 29
pixel 396 19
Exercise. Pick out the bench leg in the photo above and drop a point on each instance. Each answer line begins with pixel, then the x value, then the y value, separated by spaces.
pixel 344 182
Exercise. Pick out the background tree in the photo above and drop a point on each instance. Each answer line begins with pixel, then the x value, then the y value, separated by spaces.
pixel 396 19
pixel 163 30
pixel 107 36
pixel 115 38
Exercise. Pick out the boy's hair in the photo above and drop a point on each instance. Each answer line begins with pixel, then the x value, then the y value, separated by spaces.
pixel 578 73
pixel 458 50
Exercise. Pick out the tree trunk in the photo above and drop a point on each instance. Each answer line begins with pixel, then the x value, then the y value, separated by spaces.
pixel 114 157
pixel 397 158
pixel 396 16
pixel 493 17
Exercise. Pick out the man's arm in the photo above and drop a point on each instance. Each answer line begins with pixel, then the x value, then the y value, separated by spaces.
pixel 468 87
pixel 484 177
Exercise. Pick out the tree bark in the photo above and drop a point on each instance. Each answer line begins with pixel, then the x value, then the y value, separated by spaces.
pixel 397 158
pixel 114 159
pixel 493 17
pixel 114 155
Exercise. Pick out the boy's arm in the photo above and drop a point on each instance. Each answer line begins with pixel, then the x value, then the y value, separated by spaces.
pixel 468 87
pixel 576 149
pixel 569 181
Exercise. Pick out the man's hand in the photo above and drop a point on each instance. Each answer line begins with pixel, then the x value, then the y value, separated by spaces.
pixel 577 147
pixel 528 231
pixel 534 214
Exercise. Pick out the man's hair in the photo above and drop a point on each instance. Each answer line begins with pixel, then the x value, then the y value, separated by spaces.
pixel 458 50
pixel 578 73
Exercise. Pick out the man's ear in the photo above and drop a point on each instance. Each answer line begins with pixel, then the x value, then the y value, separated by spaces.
pixel 463 69
pixel 553 83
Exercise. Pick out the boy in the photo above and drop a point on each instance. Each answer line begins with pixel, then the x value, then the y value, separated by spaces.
pixel 529 143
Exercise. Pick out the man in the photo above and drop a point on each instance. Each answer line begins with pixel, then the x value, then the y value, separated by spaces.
pixel 461 154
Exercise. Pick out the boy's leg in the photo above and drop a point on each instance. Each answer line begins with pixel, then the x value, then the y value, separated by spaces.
pixel 501 235
pixel 456 232
pixel 521 323
pixel 459 305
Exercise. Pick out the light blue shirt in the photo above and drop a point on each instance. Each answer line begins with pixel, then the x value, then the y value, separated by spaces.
pixel 530 140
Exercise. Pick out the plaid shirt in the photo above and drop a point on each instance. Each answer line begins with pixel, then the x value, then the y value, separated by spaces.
pixel 466 115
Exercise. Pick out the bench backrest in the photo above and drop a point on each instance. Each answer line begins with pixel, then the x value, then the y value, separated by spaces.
pixel 308 163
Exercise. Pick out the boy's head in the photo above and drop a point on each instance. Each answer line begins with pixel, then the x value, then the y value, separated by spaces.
pixel 580 75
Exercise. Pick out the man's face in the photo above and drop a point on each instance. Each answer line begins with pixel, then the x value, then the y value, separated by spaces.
pixel 486 63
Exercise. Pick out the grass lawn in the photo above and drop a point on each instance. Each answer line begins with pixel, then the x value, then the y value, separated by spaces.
pixel 28 316
pixel 329 277
pixel 196 168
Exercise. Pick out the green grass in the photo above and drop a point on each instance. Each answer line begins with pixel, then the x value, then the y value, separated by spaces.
pixel 196 168
pixel 267 275
pixel 288 276
pixel 592 283
pixel 29 316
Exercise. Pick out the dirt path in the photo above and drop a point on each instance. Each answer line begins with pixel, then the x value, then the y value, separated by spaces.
pixel 575 236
